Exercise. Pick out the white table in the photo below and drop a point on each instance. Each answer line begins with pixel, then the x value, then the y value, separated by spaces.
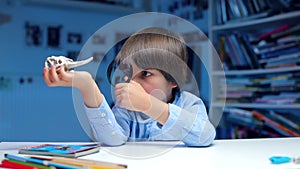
pixel 223 154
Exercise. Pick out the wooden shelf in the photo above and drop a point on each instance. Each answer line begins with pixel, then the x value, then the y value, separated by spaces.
pixel 99 7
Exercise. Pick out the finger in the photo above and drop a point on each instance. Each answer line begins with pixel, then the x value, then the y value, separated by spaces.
pixel 122 101
pixel 134 82
pixel 65 75
pixel 53 75
pixel 46 76
pixel 136 85
pixel 120 85
pixel 118 98
pixel 120 89
pixel 117 92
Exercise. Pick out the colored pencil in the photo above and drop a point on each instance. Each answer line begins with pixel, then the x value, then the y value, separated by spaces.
pixel 38 161
pixel 83 162
pixel 31 164
pixel 14 165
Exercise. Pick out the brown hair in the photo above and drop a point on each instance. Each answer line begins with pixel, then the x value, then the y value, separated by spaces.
pixel 160 49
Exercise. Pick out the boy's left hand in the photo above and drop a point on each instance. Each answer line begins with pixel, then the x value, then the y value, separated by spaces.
pixel 132 96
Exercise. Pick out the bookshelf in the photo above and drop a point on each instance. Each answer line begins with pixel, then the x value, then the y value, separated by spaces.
pixel 258 46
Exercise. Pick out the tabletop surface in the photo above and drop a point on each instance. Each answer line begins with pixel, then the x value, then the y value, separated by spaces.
pixel 223 154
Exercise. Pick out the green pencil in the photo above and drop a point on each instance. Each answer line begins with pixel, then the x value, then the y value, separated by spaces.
pixel 32 164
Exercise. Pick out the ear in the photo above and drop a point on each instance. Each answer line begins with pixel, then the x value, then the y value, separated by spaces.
pixel 173 85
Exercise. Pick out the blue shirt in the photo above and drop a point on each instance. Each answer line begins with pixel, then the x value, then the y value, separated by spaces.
pixel 187 121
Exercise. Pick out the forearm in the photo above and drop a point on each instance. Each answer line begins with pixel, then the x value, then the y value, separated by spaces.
pixel 104 125
pixel 158 110
pixel 106 134
pixel 91 95
pixel 90 92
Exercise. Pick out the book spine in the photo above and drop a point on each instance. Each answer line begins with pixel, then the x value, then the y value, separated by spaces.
pixel 237 47
pixel 276 30
pixel 285 120
pixel 232 51
pixel 224 11
pixel 275 124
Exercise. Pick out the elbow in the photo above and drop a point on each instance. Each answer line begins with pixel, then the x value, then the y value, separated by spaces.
pixel 112 140
pixel 205 138
pixel 208 139
pixel 202 141
pixel 113 144
pixel 208 134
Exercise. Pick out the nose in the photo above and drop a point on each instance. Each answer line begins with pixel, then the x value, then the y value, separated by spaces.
pixel 136 79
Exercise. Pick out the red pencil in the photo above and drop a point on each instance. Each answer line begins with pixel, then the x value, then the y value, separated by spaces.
pixel 9 164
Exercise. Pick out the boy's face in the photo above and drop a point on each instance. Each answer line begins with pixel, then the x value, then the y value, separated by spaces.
pixel 153 82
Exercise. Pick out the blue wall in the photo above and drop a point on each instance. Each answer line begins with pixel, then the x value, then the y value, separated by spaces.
pixel 29 110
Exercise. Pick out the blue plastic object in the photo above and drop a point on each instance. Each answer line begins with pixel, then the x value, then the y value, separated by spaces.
pixel 280 159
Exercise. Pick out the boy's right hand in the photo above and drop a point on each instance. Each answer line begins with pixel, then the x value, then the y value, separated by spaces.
pixel 60 77
pixel 81 80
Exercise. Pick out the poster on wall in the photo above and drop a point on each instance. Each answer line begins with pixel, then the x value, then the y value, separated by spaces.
pixel 33 34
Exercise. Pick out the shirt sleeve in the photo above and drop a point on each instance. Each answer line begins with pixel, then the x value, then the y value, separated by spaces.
pixel 104 125
pixel 189 124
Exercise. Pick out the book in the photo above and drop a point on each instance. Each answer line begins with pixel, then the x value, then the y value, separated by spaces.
pixel 234 9
pixel 288 31
pixel 224 11
pixel 295 49
pixel 278 47
pixel 287 118
pixel 218 12
pixel 275 124
pixel 273 31
pixel 280 58
pixel 62 150
pixel 244 37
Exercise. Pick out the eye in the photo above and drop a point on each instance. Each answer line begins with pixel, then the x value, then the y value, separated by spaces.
pixel 146 73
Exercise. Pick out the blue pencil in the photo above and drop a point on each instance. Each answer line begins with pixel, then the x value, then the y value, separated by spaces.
pixel 38 161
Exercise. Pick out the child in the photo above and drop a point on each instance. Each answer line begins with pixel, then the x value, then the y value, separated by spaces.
pixel 151 106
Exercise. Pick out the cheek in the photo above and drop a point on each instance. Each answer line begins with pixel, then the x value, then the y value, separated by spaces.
pixel 160 92
pixel 155 91
pixel 148 88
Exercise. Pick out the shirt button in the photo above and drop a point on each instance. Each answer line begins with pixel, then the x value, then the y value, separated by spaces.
pixel 113 133
pixel 102 115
